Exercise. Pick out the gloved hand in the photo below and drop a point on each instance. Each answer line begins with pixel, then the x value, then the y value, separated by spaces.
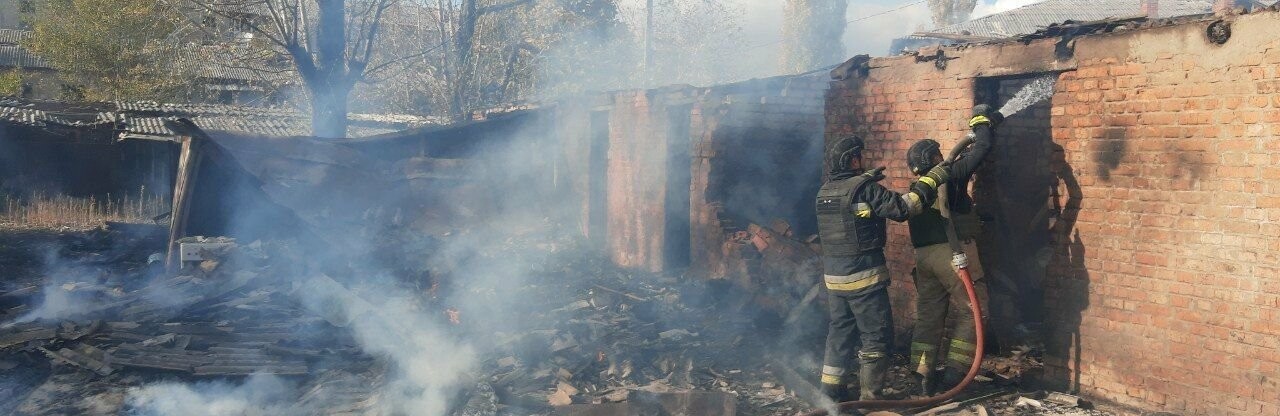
pixel 984 114
pixel 959 261
pixel 874 175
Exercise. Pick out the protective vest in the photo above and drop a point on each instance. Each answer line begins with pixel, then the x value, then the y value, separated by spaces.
pixel 847 227
pixel 930 227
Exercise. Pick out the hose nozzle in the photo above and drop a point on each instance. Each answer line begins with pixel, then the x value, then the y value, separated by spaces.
pixel 959 261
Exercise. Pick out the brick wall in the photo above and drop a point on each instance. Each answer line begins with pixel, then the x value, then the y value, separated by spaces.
pixel 1162 282
pixel 757 151
pixel 637 176
pixel 754 150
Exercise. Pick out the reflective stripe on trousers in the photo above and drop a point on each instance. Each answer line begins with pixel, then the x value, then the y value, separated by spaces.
pixel 858 280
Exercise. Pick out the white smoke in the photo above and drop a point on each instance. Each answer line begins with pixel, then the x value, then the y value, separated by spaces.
pixel 876 24
pixel 73 290
pixel 429 361
pixel 259 395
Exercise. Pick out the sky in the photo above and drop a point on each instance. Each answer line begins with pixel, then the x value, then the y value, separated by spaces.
pixel 872 28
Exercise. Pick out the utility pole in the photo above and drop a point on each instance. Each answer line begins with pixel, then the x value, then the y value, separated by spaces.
pixel 648 41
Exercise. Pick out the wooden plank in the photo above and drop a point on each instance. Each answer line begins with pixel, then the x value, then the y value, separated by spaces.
pixel 8 340
pixel 189 158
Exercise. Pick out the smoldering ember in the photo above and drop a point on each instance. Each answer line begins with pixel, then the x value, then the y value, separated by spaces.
pixel 504 243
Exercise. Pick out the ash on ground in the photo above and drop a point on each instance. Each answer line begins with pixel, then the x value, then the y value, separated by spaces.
pixel 98 326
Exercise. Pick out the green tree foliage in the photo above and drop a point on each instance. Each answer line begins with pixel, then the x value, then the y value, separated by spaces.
pixel 109 49
pixel 11 83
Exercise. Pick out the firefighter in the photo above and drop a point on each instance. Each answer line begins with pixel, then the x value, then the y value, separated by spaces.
pixel 939 291
pixel 852 208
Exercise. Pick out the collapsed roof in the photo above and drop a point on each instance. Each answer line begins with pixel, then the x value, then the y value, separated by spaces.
pixel 145 120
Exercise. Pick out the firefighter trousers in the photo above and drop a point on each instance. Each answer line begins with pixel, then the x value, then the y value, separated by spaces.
pixel 940 295
pixel 861 324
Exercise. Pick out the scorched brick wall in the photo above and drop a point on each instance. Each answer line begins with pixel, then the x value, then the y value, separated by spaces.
pixel 1162 288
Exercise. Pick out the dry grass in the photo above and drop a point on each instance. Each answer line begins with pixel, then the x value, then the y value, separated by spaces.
pixel 56 211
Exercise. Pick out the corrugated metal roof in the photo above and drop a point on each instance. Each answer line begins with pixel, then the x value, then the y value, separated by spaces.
pixel 216 63
pixel 1030 18
pixel 13 36
pixel 38 117
pixel 14 56
pixel 146 118
pixel 192 109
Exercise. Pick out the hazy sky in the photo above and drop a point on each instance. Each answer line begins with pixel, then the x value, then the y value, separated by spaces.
pixel 762 26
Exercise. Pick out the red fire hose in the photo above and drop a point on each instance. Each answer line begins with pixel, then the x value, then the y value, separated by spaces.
pixel 973 368
pixel 976 309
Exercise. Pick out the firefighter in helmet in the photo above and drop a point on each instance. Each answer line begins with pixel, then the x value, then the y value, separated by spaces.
pixel 852 208
pixel 939 292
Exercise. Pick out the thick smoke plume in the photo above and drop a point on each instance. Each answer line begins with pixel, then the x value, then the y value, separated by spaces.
pixel 428 359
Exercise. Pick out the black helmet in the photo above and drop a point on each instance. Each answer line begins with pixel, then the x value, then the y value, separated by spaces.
pixel 843 151
pixel 920 156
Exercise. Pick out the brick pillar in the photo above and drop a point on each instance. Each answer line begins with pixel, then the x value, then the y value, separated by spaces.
pixel 1151 8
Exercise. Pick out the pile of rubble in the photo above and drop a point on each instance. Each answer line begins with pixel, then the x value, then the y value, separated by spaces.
pixel 573 336
pixel 588 334
pixel 595 340
pixel 224 316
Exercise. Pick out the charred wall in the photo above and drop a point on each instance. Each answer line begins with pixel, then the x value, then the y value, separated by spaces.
pixel 640 144
pixel 758 157
pixel 665 177
pixel 1015 193
pixel 1160 236
pixel 81 162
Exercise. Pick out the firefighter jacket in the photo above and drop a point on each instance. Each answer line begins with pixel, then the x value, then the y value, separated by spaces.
pixel 929 227
pixel 852 210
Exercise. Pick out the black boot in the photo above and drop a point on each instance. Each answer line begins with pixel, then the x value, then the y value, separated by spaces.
pixel 928 383
pixel 871 377
pixel 951 377
pixel 836 392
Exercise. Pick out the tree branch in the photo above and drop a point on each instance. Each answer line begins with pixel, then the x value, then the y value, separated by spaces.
pixel 384 65
pixel 277 18
pixel 373 30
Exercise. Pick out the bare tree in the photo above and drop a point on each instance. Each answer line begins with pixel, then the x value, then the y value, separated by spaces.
pixel 950 12
pixel 468 54
pixel 460 26
pixel 812 32
pixel 330 42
